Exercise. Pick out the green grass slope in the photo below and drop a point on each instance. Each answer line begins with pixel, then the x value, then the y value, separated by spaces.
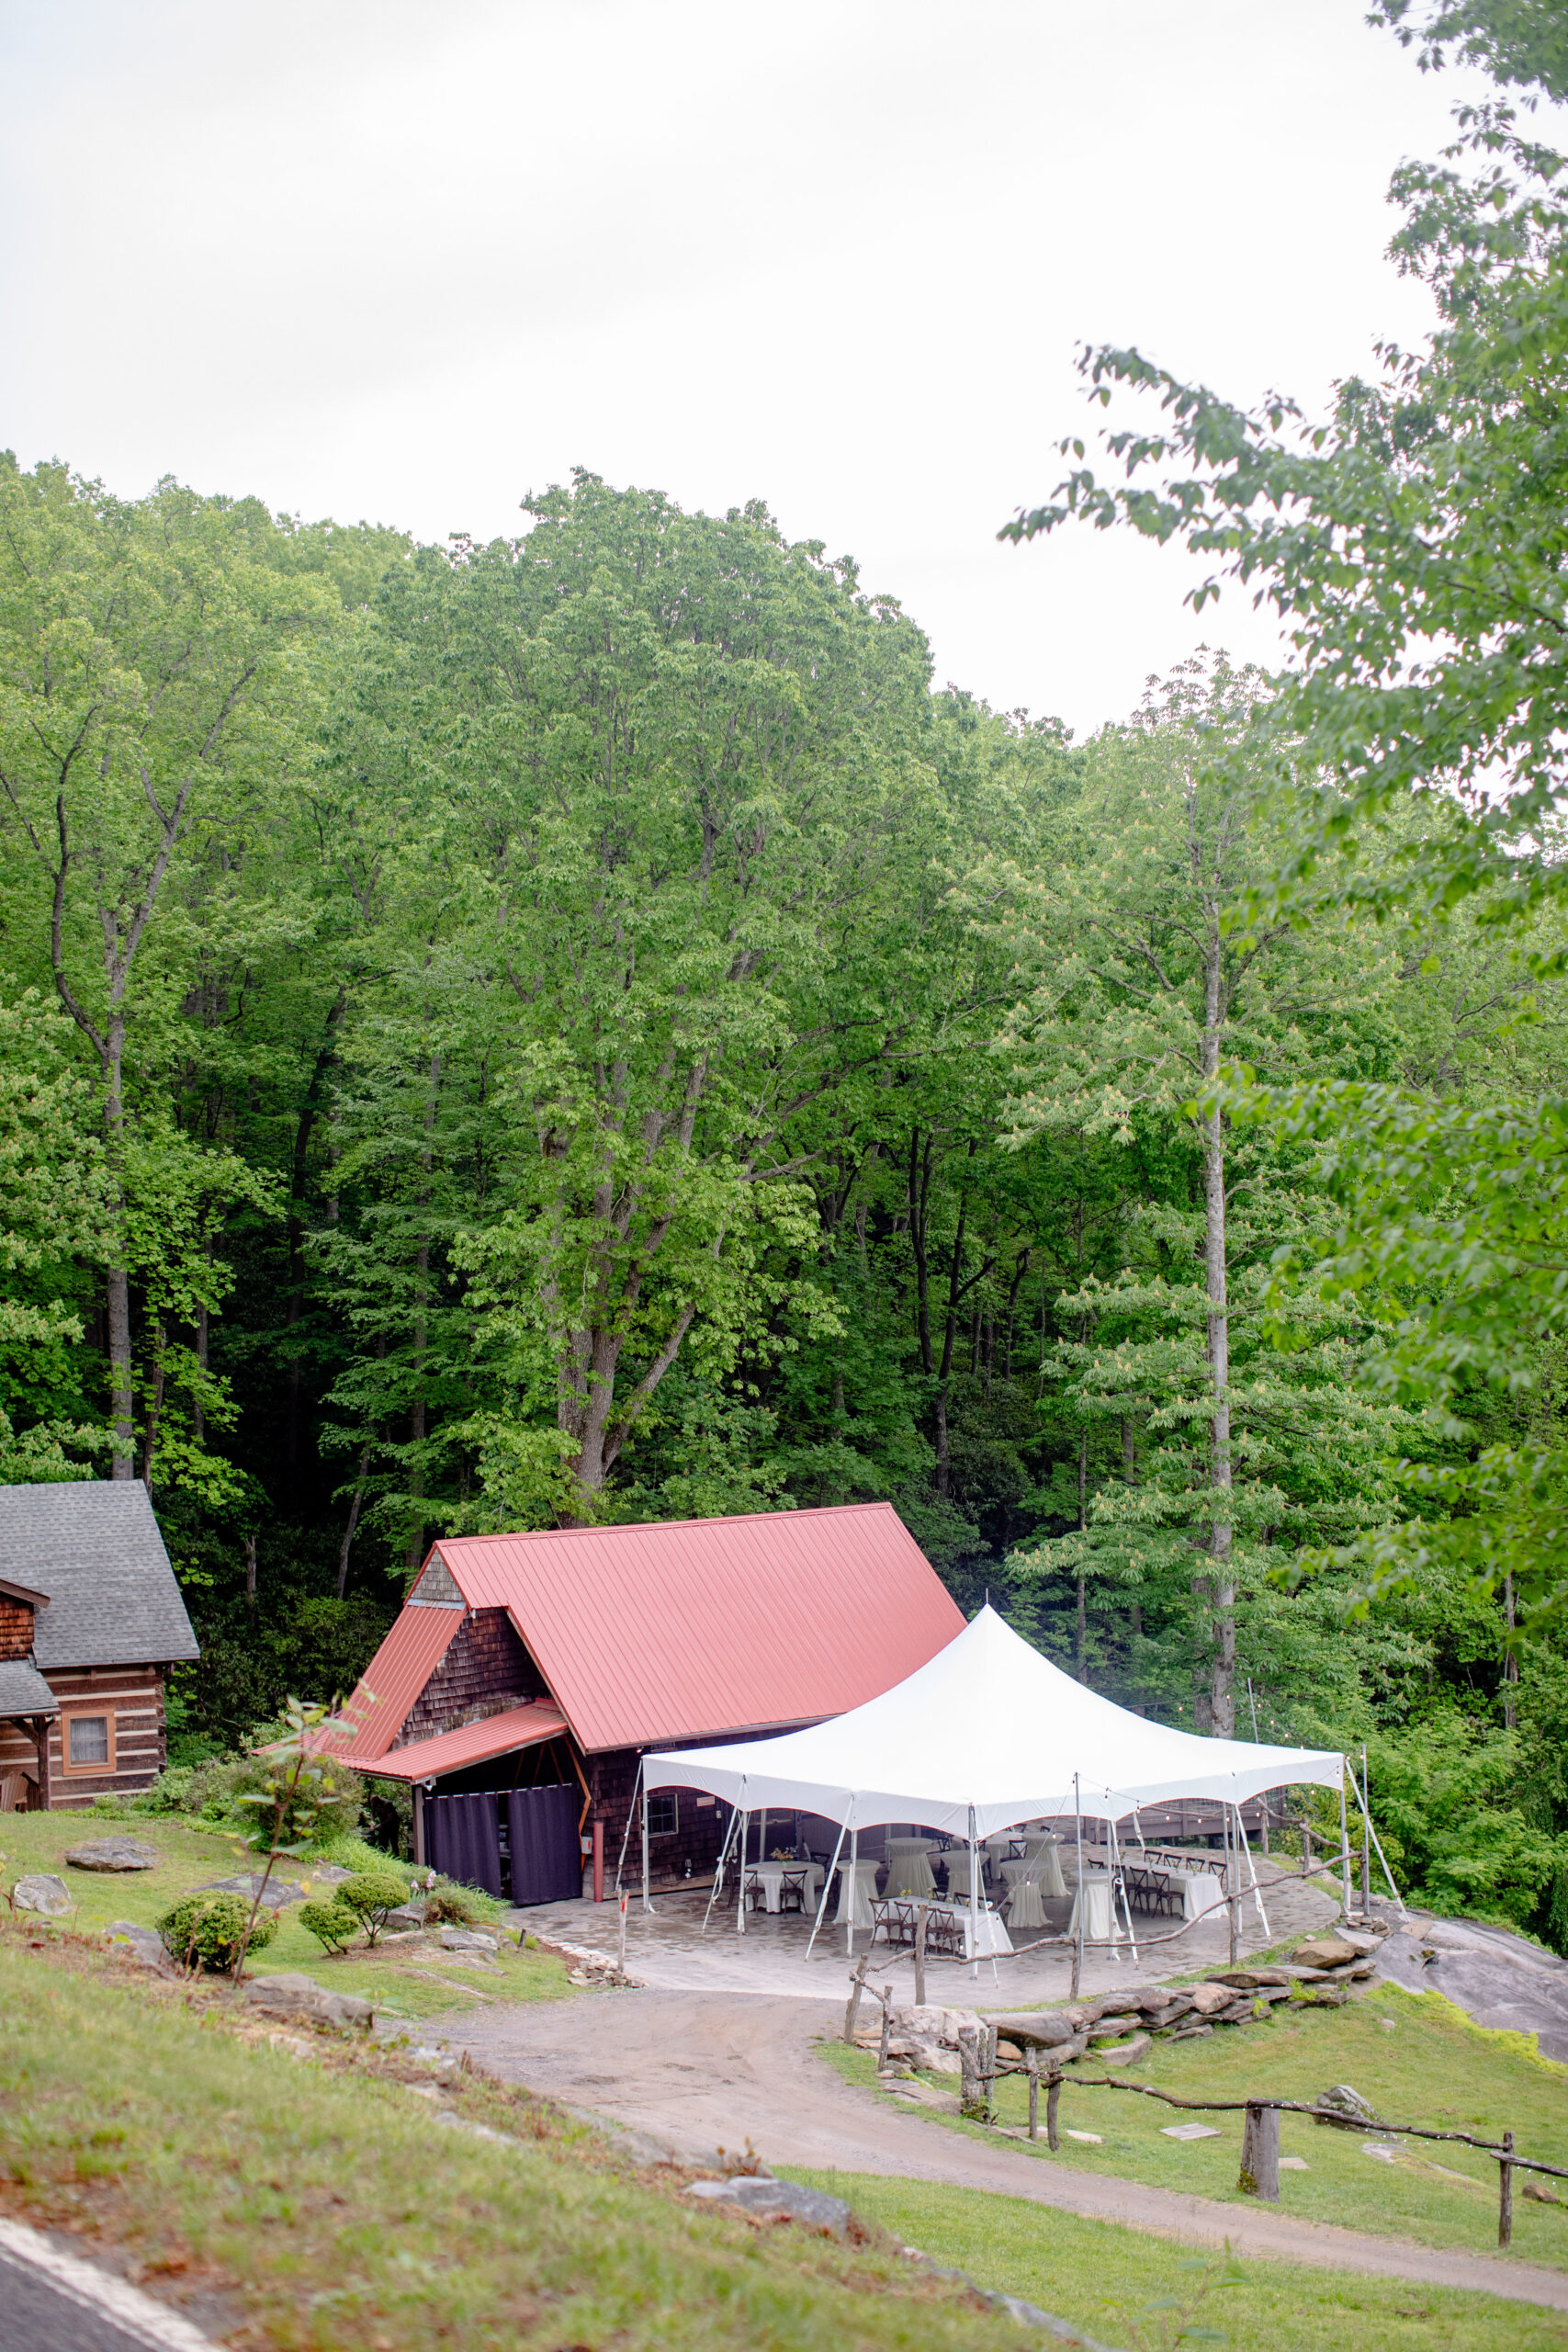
pixel 413 1983
pixel 331 2209
pixel 1130 2290
pixel 1414 2057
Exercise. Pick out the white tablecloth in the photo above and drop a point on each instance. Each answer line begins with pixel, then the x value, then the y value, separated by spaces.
pixel 769 1875
pixel 1200 1891
pixel 992 1933
pixel 1094 1894
pixel 909 1866
pixel 865 1876
pixel 1028 1882
pixel 958 1874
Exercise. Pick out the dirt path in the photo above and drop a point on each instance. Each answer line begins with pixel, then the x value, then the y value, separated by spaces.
pixel 710 2070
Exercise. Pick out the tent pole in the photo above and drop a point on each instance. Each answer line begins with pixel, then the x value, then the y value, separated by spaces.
pixel 647 1898
pixel 1366 1816
pixel 854 1889
pixel 717 1885
pixel 626 1832
pixel 1343 1841
pixel 762 1835
pixel 973 1902
pixel 827 1885
pixel 1251 1865
pixel 1081 1905
pixel 1366 1848
pixel 740 1879
pixel 1117 1880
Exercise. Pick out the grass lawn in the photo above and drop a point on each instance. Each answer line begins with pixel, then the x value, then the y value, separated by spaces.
pixel 327 2207
pixel 1102 2278
pixel 1414 2057
pixel 414 1983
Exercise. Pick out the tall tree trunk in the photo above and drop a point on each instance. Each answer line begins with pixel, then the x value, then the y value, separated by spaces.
pixel 1510 1659
pixel 154 1407
pixel 1080 1629
pixel 415 1552
pixel 250 1571
pixel 1221 1583
pixel 121 1387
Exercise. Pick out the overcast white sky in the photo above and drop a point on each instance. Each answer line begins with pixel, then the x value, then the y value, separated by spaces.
pixel 405 259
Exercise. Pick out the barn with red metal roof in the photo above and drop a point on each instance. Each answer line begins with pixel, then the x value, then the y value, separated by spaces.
pixel 531 1663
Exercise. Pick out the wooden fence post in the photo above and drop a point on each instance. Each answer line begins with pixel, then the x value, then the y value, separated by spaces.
pixel 970 2095
pixel 1052 2094
pixel 886 2027
pixel 1034 2090
pixel 922 1916
pixel 1261 2155
pixel 857 1986
pixel 1505 2194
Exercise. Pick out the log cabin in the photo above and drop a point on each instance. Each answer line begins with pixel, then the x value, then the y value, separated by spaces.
pixel 527 1674
pixel 91 1620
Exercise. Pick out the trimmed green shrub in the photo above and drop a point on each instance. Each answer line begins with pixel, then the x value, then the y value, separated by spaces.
pixel 209 1930
pixel 333 1924
pixel 371 1894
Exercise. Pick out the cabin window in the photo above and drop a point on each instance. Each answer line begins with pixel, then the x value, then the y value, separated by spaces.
pixel 663 1814
pixel 89 1743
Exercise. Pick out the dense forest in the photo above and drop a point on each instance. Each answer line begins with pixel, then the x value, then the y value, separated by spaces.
pixel 578 1028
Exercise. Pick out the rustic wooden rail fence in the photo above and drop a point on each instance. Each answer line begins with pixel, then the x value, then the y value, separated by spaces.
pixel 981 2069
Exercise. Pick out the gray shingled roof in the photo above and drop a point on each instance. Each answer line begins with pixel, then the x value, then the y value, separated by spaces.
pixel 23 1690
pixel 95 1548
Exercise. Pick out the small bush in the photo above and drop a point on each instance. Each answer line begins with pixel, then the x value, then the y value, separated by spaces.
pixel 371 1894
pixel 210 1929
pixel 333 1924
pixel 448 1906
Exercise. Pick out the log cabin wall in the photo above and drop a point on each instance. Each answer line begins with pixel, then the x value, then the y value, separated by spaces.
pixel 130 1699
pixel 486 1669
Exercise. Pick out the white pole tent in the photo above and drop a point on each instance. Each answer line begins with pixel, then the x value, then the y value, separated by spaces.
pixel 987 1733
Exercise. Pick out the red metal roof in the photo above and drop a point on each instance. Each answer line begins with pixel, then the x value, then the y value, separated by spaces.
pixel 373 1717
pixel 684 1628
pixel 425 1759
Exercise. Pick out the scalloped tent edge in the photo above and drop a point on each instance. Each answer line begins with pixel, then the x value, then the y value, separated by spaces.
pixel 987 1735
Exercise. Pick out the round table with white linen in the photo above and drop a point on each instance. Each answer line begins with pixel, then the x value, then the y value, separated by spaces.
pixel 909 1866
pixel 1094 1897
pixel 770 1876
pixel 1027 1882
pixel 862 1877
pixel 958 1874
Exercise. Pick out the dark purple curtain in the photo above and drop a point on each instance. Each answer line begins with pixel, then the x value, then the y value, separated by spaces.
pixel 547 1853
pixel 462 1838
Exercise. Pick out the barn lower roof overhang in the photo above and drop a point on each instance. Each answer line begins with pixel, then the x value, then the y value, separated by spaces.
pixel 480 1742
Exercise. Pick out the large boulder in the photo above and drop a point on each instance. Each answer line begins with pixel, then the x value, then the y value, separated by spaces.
pixel 777 2200
pixel 113 1854
pixel 1046 2029
pixel 42 1890
pixel 1325 1951
pixel 143 1947
pixel 1343 2106
pixel 1210 1999
pixel 294 1995
pixel 276 1893
pixel 1125 2054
